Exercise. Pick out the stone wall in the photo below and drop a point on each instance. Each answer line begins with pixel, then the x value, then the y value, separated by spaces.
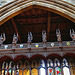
pixel 70 1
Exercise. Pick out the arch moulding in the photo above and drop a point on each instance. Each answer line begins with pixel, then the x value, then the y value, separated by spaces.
pixel 16 7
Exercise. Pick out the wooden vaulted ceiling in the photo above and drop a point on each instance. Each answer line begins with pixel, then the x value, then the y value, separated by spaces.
pixel 36 20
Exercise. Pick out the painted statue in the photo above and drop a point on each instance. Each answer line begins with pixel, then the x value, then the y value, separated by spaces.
pixel 30 37
pixel 2 38
pixel 58 35
pixel 44 36
pixel 15 39
pixel 72 34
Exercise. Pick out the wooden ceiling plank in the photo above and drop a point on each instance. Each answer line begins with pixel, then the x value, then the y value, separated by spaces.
pixel 16 30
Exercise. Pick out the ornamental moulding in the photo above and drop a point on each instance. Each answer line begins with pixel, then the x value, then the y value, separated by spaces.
pixel 30 55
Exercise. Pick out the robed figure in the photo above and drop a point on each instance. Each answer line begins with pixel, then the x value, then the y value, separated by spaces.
pixel 30 37
pixel 44 36
pixel 2 38
pixel 58 35
pixel 15 39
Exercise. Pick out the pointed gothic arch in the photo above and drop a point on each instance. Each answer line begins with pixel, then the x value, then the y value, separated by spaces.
pixel 56 7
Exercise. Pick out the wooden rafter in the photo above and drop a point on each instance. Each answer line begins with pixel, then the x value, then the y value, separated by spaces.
pixel 48 25
pixel 16 30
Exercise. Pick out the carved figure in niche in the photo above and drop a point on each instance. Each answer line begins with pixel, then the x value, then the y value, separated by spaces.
pixel 58 35
pixel 30 37
pixel 72 34
pixel 44 36
pixel 15 38
pixel 2 38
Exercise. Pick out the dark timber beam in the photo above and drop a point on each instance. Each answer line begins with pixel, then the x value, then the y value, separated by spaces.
pixel 16 30
pixel 48 25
